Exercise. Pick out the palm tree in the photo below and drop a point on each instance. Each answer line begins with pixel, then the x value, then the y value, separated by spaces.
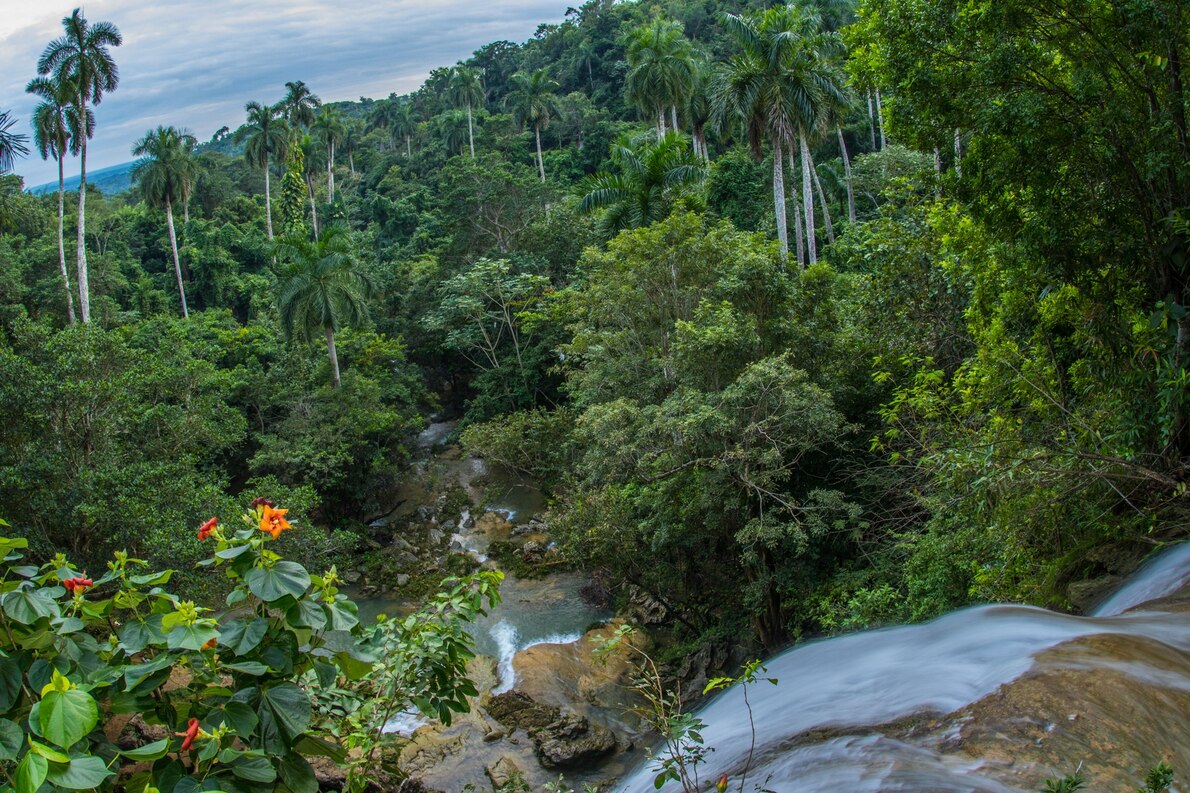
pixel 404 125
pixel 12 144
pixel 322 289
pixel 532 99
pixel 649 169
pixel 166 172
pixel 699 110
pixel 55 132
pixel 660 70
pixel 330 129
pixel 299 105
pixel 780 86
pixel 453 125
pixel 466 88
pixel 82 58
pixel 268 141
pixel 312 164
pixel 351 139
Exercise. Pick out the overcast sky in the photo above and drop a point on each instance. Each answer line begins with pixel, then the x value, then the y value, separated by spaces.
pixel 194 63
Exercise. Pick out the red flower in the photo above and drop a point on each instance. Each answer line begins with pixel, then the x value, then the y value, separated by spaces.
pixel 208 528
pixel 78 584
pixel 262 502
pixel 190 734
pixel 722 786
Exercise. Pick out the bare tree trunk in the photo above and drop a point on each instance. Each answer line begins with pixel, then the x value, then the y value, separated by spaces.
pixel 333 354
pixel 61 241
pixel 798 233
pixel 470 130
pixel 847 175
pixel 313 207
pixel 661 122
pixel 880 119
pixel 540 162
pixel 673 115
pixel 826 215
pixel 351 162
pixel 185 211
pixel 808 202
pixel 330 171
pixel 81 255
pixel 958 152
pixel 871 120
pixel 779 200
pixel 408 147
pixel 173 244
pixel 268 200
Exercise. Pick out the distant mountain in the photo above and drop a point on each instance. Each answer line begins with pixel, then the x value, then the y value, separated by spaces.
pixel 109 181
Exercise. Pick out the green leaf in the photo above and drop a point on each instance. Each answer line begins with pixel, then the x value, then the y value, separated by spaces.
pixel 313 745
pixel 27 606
pixel 65 717
pixel 31 773
pixel 152 579
pixel 254 769
pixel 10 683
pixel 289 706
pixel 11 738
pixel 136 674
pixel 297 774
pixel 274 583
pixel 48 752
pixel 150 751
pixel 307 614
pixel 243 636
pixel 81 773
pixel 246 667
pixel 240 717
pixel 190 637
pixel 139 634
pixel 344 615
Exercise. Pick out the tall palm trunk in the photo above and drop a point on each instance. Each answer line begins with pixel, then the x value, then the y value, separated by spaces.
pixel 797 214
pixel 779 200
pixel 61 241
pixel 333 354
pixel 808 201
pixel 880 119
pixel 313 206
pixel 847 175
pixel 937 173
pixel 268 201
pixel 958 153
pixel 540 162
pixel 470 130
pixel 173 244
pixel 408 147
pixel 330 172
pixel 81 258
pixel 661 121
pixel 673 115
pixel 351 162
pixel 826 214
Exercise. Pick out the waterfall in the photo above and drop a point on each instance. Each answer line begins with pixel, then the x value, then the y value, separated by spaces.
pixel 850 686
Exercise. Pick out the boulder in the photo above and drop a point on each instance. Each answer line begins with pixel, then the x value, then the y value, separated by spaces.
pixel 572 741
pixel 503 771
pixel 520 711
pixel 351 576
pixel 435 536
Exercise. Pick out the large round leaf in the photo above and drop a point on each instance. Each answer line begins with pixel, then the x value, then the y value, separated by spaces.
pixel 274 583
pixel 29 605
pixel 81 773
pixel 11 738
pixel 65 717
pixel 31 773
pixel 290 708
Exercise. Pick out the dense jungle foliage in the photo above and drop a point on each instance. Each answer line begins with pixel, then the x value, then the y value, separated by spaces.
pixel 808 317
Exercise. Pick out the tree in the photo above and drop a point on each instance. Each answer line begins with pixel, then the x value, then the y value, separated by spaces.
pixel 454 128
pixel 267 138
pixel 331 131
pixel 55 125
pixel 351 140
pixel 650 169
pixel 532 99
pixel 12 144
pixel 661 70
pixel 311 165
pixel 299 105
pixel 466 88
pixel 166 172
pixel 82 57
pixel 322 288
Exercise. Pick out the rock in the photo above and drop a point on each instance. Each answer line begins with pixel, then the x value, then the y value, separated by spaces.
pixel 457 546
pixel 466 520
pixel 520 711
pixel 494 735
pixel 533 551
pixel 401 543
pixel 449 525
pixel 402 579
pixel 644 609
pixel 524 528
pixel 351 576
pixel 572 741
pixel 423 514
pixel 435 536
pixel 504 770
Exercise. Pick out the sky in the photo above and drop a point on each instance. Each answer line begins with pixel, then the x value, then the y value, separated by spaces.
pixel 195 63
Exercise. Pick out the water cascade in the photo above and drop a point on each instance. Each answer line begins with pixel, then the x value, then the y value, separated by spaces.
pixel 930 707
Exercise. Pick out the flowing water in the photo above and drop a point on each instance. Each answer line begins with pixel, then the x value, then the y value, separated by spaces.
pixel 843 717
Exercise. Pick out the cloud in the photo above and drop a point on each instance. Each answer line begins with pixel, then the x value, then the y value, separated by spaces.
pixel 194 63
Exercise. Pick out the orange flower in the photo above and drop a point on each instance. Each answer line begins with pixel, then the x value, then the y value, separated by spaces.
pixel 722 786
pixel 78 584
pixel 208 528
pixel 272 521
pixel 190 734
pixel 210 644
